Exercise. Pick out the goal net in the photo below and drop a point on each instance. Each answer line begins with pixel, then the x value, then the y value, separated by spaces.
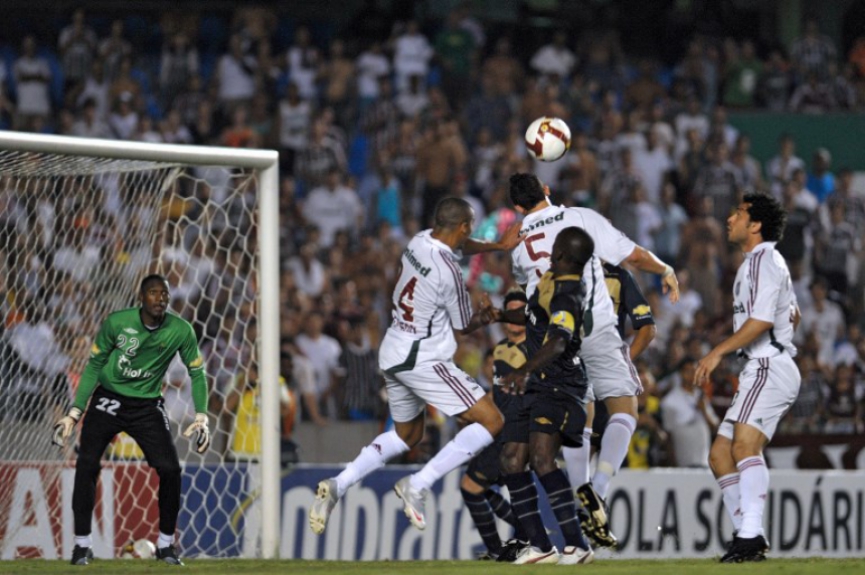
pixel 78 231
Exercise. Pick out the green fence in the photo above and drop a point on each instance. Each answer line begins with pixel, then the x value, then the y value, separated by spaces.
pixel 842 134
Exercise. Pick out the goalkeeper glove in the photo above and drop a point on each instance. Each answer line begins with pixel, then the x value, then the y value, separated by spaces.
pixel 63 428
pixel 200 430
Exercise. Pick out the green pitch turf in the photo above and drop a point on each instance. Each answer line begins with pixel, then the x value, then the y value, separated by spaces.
pixel 299 567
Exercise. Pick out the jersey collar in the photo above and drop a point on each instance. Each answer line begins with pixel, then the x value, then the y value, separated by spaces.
pixel 427 235
pixel 540 213
pixel 759 248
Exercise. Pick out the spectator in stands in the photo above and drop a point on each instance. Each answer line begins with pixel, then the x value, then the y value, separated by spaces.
pixel 554 60
pixel 243 404
pixel 718 180
pixel 235 76
pixel 32 79
pixel 653 163
pixel 321 156
pixel 77 47
pixel 799 231
pixel 813 97
pixel 334 207
pixel 302 63
pixel 323 353
pixel 371 65
pixel 439 160
pixel 339 90
pixel 843 409
pixel 853 203
pixel 749 171
pixel 457 52
pixel 821 181
pixel 411 56
pixel 825 319
pixel 741 78
pixel 688 419
pixel 124 119
pixel 179 63
pixel 96 88
pixel 780 168
pixel 645 90
pixel 89 124
pixel 668 236
pixel 837 251
pixel 691 118
pixel 114 49
pixel 363 381
pixel 504 70
pixel 775 83
pixel 812 52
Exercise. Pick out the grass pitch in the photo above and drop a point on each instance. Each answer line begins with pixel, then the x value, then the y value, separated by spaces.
pixel 300 567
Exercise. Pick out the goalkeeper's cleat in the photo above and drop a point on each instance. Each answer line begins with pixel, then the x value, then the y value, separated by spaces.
pixel 82 555
pixel 168 555
pixel 596 517
pixel 325 501
pixel 534 556
pixel 573 555
pixel 413 502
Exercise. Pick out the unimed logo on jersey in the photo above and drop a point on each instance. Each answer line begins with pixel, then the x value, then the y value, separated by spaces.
pixel 412 260
pixel 545 222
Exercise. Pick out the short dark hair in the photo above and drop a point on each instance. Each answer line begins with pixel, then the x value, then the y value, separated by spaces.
pixel 577 243
pixel 515 294
pixel 451 212
pixel 526 190
pixel 769 212
pixel 150 279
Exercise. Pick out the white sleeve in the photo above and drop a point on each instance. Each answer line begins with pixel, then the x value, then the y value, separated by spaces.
pixel 520 275
pixel 456 298
pixel 611 245
pixel 765 288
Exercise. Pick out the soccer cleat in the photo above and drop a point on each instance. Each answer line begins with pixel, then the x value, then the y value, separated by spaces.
pixel 325 501
pixel 82 555
pixel 487 556
pixel 750 549
pixel 596 510
pixel 509 551
pixel 531 555
pixel 168 555
pixel 573 555
pixel 413 502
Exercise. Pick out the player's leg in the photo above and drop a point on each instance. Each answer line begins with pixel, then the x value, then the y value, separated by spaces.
pixel 724 469
pixel 453 392
pixel 472 489
pixel 97 431
pixel 407 410
pixel 563 421
pixel 578 459
pixel 147 423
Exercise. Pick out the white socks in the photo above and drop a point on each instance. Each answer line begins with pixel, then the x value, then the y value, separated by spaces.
pixel 470 441
pixel 384 447
pixel 614 448
pixel 164 540
pixel 85 541
pixel 753 487
pixel 729 485
pixel 577 460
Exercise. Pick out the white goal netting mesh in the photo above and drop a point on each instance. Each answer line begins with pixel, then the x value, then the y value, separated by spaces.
pixel 77 234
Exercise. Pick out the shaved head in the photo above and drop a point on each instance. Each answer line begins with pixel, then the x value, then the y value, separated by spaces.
pixel 451 212
pixel 572 249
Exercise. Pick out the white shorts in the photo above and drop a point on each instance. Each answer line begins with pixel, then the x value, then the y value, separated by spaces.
pixel 767 389
pixel 608 364
pixel 442 385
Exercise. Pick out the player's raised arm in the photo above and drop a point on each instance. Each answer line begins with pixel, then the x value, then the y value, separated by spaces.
pixel 640 312
pixel 194 363
pixel 99 353
pixel 646 261
pixel 509 240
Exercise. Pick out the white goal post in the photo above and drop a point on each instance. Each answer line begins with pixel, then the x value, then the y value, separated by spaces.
pixel 264 163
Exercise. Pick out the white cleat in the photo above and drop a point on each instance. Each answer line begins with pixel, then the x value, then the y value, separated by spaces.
pixel 573 555
pixel 413 502
pixel 533 556
pixel 325 501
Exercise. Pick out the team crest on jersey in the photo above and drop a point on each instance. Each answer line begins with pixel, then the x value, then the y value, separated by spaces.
pixel 130 330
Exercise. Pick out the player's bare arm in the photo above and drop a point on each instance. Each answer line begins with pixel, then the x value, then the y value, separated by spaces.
pixel 750 331
pixel 642 339
pixel 646 261
pixel 509 240
pixel 554 346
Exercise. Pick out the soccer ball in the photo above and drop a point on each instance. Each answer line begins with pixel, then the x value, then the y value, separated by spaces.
pixel 548 139
pixel 141 549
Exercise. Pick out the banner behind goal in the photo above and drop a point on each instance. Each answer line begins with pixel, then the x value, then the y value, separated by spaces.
pixel 81 223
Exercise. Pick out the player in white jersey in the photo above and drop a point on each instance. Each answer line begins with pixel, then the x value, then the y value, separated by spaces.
pixel 765 314
pixel 430 303
pixel 612 376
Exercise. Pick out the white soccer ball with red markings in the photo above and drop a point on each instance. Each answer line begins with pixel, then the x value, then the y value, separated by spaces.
pixel 141 549
pixel 547 139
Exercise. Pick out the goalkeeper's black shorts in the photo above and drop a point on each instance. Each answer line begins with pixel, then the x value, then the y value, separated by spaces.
pixel 145 420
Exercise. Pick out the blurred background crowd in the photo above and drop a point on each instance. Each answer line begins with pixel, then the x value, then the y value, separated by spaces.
pixel 379 117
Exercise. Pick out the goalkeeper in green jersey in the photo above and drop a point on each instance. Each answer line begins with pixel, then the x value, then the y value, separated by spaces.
pixel 123 381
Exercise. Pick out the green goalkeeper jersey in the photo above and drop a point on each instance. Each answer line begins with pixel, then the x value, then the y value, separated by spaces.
pixel 129 359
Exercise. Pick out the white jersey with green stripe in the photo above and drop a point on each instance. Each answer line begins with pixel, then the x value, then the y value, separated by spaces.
pixel 429 300
pixel 531 259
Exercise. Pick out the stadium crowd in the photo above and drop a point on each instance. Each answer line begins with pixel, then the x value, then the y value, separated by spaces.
pixel 372 134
